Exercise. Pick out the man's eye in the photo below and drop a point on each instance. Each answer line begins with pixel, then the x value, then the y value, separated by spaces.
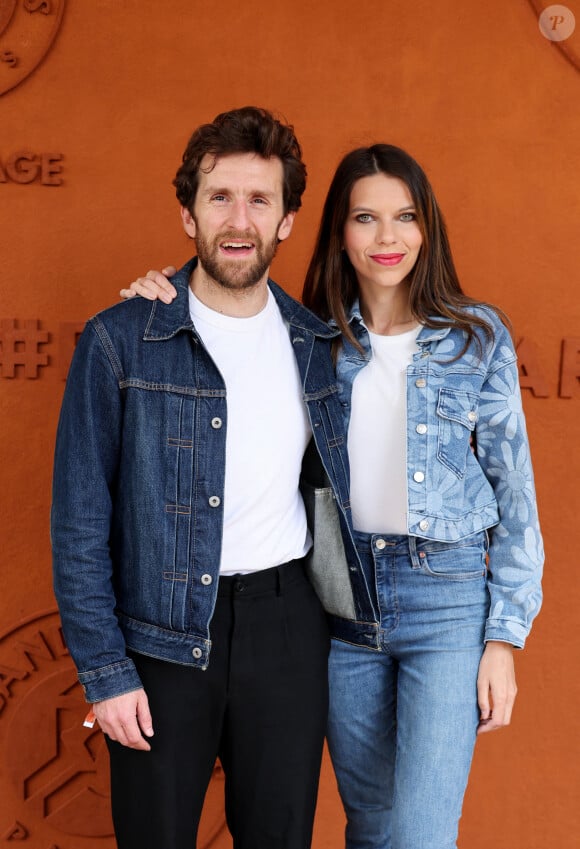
pixel 219 198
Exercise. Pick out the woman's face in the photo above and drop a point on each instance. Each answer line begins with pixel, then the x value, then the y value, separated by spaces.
pixel 381 235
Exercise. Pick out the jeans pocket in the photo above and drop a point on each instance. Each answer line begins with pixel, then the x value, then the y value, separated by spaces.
pixel 464 561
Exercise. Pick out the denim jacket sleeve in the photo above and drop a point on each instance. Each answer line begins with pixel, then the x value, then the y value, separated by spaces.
pixel 516 551
pixel 85 468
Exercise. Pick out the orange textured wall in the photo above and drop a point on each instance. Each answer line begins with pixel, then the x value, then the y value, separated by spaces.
pixel 485 102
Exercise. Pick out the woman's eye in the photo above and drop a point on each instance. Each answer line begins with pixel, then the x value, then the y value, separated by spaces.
pixel 408 216
pixel 364 218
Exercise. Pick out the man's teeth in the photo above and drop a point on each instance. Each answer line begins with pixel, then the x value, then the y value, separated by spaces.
pixel 237 245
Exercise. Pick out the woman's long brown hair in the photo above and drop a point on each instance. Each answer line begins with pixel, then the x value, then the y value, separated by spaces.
pixel 435 297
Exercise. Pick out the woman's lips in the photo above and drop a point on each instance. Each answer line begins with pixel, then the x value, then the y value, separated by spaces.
pixel 388 259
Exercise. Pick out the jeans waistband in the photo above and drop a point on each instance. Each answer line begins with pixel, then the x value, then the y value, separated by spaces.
pixel 367 542
pixel 364 539
pixel 273 580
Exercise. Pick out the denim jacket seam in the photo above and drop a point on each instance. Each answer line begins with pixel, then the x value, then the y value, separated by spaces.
pixel 117 665
pixel 109 348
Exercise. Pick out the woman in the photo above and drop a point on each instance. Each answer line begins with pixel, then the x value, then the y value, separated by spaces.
pixel 441 482
pixel 440 472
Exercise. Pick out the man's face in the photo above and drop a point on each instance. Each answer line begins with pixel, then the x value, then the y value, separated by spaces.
pixel 238 218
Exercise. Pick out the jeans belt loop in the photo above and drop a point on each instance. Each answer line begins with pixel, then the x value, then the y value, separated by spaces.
pixel 413 552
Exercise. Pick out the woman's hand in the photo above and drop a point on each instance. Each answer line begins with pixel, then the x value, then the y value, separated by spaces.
pixel 154 286
pixel 496 686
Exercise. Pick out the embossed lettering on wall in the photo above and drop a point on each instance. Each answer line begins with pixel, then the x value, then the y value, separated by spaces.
pixel 27 167
pixel 27 31
pixel 28 351
pixel 534 378
pixel 54 777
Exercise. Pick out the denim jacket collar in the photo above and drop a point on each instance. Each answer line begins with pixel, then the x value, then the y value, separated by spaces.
pixel 166 320
pixel 427 335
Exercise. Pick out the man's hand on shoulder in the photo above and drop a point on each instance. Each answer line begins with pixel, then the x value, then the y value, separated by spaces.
pixel 154 286
pixel 126 719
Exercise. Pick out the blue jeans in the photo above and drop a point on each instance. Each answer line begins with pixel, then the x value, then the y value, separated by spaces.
pixel 403 720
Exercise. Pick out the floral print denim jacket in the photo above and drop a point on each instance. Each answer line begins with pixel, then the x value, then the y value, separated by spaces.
pixel 468 459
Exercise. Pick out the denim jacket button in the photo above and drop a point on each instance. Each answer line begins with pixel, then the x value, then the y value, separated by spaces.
pixel 206 580
pixel 420 383
pixel 421 428
pixel 196 653
pixel 214 501
pixel 216 423
pixel 472 416
pixel 424 524
pixel 419 477
pixel 380 544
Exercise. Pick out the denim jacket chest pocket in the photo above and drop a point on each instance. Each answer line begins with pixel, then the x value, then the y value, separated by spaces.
pixel 456 419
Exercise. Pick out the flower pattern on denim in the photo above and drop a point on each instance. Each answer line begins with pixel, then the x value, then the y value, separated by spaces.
pixel 474 460
pixel 504 405
pixel 514 486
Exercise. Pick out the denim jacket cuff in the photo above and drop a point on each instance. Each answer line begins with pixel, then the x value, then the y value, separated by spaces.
pixel 506 631
pixel 110 681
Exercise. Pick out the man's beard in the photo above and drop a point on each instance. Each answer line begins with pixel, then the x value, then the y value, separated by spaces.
pixel 231 273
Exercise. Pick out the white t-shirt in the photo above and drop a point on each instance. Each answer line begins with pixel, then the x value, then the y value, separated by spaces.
pixel 377 436
pixel 267 433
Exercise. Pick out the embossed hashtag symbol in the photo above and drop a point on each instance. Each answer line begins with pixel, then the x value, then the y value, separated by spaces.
pixel 19 346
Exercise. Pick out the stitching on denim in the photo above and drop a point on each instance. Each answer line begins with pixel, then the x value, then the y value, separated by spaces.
pixel 119 664
pixel 137 383
pixel 321 394
pixel 107 344
pixel 182 509
pixel 179 443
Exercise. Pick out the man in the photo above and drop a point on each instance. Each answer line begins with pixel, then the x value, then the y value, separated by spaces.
pixel 179 533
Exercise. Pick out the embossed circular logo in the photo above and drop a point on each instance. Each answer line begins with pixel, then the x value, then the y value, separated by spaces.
pixel 27 31
pixel 54 772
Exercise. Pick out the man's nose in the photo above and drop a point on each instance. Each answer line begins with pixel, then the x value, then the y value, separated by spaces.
pixel 238 215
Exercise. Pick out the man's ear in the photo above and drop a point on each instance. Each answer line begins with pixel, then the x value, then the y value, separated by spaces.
pixel 285 227
pixel 188 222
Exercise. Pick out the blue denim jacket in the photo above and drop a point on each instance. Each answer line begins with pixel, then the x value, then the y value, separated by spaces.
pixel 468 463
pixel 139 482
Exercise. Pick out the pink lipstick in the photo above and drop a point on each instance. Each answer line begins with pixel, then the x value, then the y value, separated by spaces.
pixel 388 259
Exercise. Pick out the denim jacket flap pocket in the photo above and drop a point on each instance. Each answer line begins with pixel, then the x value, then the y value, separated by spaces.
pixel 458 405
pixel 457 412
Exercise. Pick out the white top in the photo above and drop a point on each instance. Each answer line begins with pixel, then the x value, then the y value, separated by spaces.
pixel 377 443
pixel 267 433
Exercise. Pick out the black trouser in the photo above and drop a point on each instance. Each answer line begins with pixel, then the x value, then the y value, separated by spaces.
pixel 261 706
